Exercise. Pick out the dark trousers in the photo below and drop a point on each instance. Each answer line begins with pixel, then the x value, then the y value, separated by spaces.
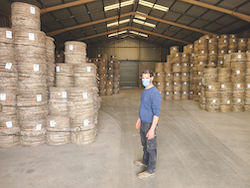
pixel 149 148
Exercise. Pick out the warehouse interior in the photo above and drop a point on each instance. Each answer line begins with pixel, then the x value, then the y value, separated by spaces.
pixel 70 90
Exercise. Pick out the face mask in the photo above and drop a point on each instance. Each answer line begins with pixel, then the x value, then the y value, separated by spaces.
pixel 145 82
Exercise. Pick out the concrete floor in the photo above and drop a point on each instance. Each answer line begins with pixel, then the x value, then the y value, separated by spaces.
pixel 196 149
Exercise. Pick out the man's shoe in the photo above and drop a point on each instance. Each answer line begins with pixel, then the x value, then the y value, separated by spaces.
pixel 139 163
pixel 144 175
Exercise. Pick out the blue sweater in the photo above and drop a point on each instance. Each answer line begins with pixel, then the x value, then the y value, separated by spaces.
pixel 150 104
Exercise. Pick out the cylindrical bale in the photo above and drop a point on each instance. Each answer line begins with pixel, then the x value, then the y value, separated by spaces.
pixel 83 137
pixel 212 104
pixel 213 45
pixel 32 38
pixel 56 138
pixel 6 35
pixel 177 95
pixel 7 97
pixel 58 123
pixel 7 141
pixel 224 74
pixel 32 138
pixel 159 67
pixel 64 75
pixel 76 47
pixel 174 49
pixel 32 98
pixel 185 77
pixel 169 95
pixel 176 67
pixel 177 86
pixel 25 16
pixel 58 102
pixel 8 124
pixel 210 74
pixel 242 44
pixel 80 101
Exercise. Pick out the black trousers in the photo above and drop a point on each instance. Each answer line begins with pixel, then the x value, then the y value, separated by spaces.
pixel 149 148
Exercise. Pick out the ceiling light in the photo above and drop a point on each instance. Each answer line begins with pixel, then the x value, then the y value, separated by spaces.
pixel 140 34
pixel 117 23
pixel 154 6
pixel 140 16
pixel 118 5
pixel 144 23
pixel 146 4
pixel 117 33
pixel 161 8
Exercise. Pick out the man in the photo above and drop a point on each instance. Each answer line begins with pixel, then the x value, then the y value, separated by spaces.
pixel 147 122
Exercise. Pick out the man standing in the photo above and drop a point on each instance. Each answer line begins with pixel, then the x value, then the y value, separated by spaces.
pixel 147 122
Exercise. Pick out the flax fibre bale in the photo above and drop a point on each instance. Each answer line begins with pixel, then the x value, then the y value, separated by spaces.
pixel 7 141
pixel 58 123
pixel 80 101
pixel 25 16
pixel 57 138
pixel 8 124
pixel 31 38
pixel 58 102
pixel 83 137
pixel 6 35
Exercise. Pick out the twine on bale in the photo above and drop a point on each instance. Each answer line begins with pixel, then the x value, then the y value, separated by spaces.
pixel 32 113
pixel 8 124
pixel 32 98
pixel 7 97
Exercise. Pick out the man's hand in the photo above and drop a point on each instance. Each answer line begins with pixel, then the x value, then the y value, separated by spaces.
pixel 138 124
pixel 151 134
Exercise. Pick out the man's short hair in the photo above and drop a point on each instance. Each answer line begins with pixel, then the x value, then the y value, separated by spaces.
pixel 148 72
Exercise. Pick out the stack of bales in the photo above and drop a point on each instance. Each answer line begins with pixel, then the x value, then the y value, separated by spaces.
pixel 242 44
pixel 226 93
pixel 9 127
pixel 64 75
pixel 58 122
pixel 102 72
pixel 168 80
pixel 213 52
pixel 223 43
pixel 238 65
pixel 188 50
pixel 50 54
pixel 110 78
pixel 247 95
pixel 212 87
pixel 116 75
pixel 177 68
pixel 233 44
pixel 185 75
pixel 159 79
pixel 32 92
pixel 83 101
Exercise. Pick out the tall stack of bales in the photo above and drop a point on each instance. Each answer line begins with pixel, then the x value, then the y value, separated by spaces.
pixel 32 91
pixel 9 126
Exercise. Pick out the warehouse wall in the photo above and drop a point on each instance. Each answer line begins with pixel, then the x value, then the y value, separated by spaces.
pixel 130 50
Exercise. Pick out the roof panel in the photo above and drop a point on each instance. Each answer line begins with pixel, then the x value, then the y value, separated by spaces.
pixel 244 9
pixel 231 4
pixel 213 27
pixel 225 20
pixel 171 16
pixel 180 6
pixel 196 11
pixel 199 23
pixel 212 15
pixel 186 20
